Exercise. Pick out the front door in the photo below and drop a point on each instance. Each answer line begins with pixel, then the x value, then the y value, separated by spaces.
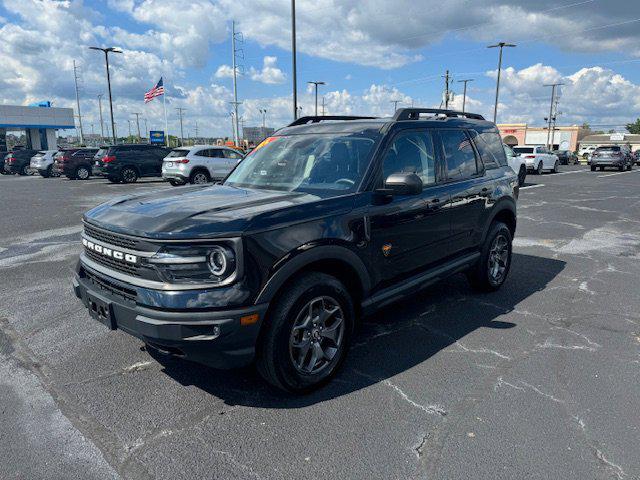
pixel 410 233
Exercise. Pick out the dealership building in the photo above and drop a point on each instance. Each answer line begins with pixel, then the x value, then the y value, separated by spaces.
pixel 39 123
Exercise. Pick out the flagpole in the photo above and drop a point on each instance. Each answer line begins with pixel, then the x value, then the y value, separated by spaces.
pixel 164 104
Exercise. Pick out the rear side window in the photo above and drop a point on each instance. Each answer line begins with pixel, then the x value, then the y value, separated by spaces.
pixel 232 154
pixel 489 145
pixel 411 152
pixel 521 150
pixel 102 152
pixel 458 154
pixel 179 152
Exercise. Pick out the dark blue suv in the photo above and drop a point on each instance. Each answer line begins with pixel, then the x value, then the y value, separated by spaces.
pixel 325 221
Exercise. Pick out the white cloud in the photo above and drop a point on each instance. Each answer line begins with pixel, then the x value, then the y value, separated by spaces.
pixel 224 71
pixel 270 73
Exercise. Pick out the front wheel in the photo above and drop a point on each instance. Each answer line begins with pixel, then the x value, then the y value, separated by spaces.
pixel 24 170
pixel 539 169
pixel 82 173
pixel 199 177
pixel 306 334
pixel 129 175
pixel 555 167
pixel 493 267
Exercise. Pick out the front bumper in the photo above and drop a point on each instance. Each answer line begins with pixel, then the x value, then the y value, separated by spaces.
pixel 215 338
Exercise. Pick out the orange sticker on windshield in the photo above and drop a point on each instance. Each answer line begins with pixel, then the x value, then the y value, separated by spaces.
pixel 265 142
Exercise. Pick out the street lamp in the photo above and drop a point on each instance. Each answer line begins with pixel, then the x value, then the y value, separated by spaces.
pixel 293 59
pixel 500 45
pixel 464 95
pixel 106 59
pixel 315 84
pixel 100 95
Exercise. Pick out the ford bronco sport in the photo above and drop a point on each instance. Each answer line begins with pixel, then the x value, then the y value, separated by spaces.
pixel 325 221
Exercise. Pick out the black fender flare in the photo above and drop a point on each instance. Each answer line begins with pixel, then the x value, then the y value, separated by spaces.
pixel 306 257
pixel 503 204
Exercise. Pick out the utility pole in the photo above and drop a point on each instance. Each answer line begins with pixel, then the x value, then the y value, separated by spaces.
pixel 180 114
pixel 129 122
pixel 75 78
pixel 106 58
pixel 146 129
pixel 100 95
pixel 464 95
pixel 446 90
pixel 323 105
pixel 196 139
pixel 137 114
pixel 315 84
pixel 293 54
pixel 500 45
pixel 395 104
pixel 551 115
pixel 234 52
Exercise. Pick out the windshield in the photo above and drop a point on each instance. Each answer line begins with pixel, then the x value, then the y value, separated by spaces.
pixel 314 162
pixel 177 153
pixel 519 150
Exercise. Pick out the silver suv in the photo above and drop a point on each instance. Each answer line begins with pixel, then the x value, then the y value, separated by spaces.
pixel 199 164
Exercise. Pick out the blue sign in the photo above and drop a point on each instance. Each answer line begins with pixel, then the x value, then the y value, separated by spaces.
pixel 156 137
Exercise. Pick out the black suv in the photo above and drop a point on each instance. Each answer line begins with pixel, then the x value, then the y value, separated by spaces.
pixel 126 163
pixel 17 161
pixel 322 223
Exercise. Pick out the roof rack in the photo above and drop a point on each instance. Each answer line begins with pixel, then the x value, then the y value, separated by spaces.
pixel 318 119
pixel 414 113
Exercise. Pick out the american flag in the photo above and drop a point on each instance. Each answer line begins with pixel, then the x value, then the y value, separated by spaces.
pixel 154 92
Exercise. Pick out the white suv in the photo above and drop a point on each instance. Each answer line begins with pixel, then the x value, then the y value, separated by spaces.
pixel 199 164
pixel 537 158
pixel 42 162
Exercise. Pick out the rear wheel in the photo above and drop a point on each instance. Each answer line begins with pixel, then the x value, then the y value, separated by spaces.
pixel 24 170
pixel 306 334
pixel 495 260
pixel 539 168
pixel 46 173
pixel 129 175
pixel 522 175
pixel 593 168
pixel 555 167
pixel 199 177
pixel 82 173
pixel 621 168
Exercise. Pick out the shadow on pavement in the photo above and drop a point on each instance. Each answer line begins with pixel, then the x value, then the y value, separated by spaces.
pixel 390 342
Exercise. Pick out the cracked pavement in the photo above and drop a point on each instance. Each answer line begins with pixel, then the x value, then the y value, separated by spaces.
pixel 537 381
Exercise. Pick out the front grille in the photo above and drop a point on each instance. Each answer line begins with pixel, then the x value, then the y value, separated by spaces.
pixel 118 265
pixel 109 237
pixel 110 287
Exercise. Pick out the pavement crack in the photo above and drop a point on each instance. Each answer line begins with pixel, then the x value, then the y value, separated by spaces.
pixel 420 446
pixel 522 386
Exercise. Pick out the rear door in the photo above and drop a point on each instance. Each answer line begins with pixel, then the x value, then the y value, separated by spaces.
pixel 468 186
pixel 218 163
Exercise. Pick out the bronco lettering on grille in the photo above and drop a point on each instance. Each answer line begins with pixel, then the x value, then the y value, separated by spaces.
pixel 108 252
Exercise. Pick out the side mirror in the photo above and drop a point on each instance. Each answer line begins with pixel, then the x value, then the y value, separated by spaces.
pixel 404 184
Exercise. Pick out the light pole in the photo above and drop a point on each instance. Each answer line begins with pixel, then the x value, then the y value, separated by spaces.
pixel 395 104
pixel 500 45
pixel 106 59
pixel 315 84
pixel 180 114
pixel 293 53
pixel 263 111
pixel 464 95
pixel 551 115
pixel 146 129
pixel 100 95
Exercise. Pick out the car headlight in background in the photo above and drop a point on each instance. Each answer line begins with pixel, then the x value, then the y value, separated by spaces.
pixel 213 264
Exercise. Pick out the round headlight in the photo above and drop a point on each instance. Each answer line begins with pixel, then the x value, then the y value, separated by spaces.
pixel 219 261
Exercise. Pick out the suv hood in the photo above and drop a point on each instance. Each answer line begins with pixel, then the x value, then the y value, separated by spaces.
pixel 192 212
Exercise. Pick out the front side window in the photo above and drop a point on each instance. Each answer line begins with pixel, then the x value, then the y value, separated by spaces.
pixel 232 154
pixel 459 154
pixel 332 163
pixel 411 152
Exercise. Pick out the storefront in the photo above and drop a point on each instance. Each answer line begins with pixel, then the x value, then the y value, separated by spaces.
pixel 564 138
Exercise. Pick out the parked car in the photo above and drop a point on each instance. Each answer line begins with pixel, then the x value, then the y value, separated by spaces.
pixel 517 164
pixel 586 151
pixel 127 163
pixel 617 156
pixel 17 161
pixel 42 162
pixel 75 163
pixel 325 221
pixel 537 159
pixel 566 157
pixel 3 154
pixel 199 164
pixel 636 156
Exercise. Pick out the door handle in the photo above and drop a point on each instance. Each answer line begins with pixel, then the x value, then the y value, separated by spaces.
pixel 433 204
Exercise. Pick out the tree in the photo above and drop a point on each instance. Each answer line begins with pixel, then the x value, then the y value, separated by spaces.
pixel 634 127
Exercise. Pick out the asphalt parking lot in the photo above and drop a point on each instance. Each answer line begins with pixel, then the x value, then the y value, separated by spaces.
pixel 539 380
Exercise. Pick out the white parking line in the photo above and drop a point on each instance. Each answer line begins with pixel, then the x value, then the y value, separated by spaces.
pixel 569 173
pixel 619 173
pixel 532 186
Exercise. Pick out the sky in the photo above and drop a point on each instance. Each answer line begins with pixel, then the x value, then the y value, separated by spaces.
pixel 369 54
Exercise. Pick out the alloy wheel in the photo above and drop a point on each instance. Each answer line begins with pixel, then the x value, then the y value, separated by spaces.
pixel 317 335
pixel 498 259
pixel 82 173
pixel 200 178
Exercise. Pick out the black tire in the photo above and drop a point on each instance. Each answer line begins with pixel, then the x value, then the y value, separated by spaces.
pixel 82 172
pixel 630 166
pixel 621 168
pixel 114 179
pixel 522 175
pixel 129 175
pixel 480 276
pixel 539 168
pixel 24 170
pixel 45 173
pixel 593 168
pixel 602 169
pixel 176 183
pixel 199 177
pixel 275 355
pixel 555 167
